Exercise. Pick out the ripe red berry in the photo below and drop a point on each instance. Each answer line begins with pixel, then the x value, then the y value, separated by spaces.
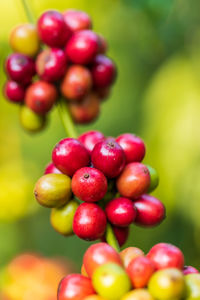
pixel 133 146
pixel 166 256
pixel 121 234
pixel 76 83
pixel 41 96
pixel 120 211
pixel 82 47
pixel 75 286
pixel 99 254
pixel 108 156
pixel 189 270
pixel 103 71
pixel 20 68
pixel 69 155
pixel 77 20
pixel 89 184
pixel 51 64
pixel 90 138
pixel 103 46
pixel 140 271
pixel 52 29
pixel 150 211
pixel 89 221
pixel 51 168
pixel 134 180
pixel 14 91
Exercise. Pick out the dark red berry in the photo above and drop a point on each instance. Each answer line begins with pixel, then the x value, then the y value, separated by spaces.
pixel 76 83
pixel 51 168
pixel 82 47
pixel 90 138
pixel 89 184
pixel 77 20
pixel 150 211
pixel 121 234
pixel 52 29
pixel 120 211
pixel 51 64
pixel 69 155
pixel 109 157
pixel 41 96
pixel 133 146
pixel 103 46
pixel 189 270
pixel 14 91
pixel 89 221
pixel 20 68
pixel 103 71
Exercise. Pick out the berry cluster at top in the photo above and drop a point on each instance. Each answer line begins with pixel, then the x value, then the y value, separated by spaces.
pixel 132 275
pixel 108 176
pixel 72 63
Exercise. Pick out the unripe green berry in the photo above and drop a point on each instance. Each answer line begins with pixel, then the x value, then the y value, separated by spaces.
pixel 31 121
pixel 154 179
pixel 192 286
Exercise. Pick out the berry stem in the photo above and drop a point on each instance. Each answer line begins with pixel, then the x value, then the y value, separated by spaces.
pixel 28 11
pixel 111 239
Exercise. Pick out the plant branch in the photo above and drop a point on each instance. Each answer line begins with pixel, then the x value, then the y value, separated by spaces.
pixel 111 239
pixel 28 11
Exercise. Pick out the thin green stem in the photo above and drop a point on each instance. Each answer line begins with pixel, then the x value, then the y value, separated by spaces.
pixel 28 11
pixel 111 239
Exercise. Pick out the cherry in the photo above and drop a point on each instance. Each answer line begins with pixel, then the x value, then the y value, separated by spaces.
pixel 20 68
pixel 77 20
pixel 90 138
pixel 121 234
pixel 82 47
pixel 40 97
pixel 14 91
pixel 31 121
pixel 108 156
pixel 75 287
pixel 69 155
pixel 103 71
pixel 51 168
pixel 150 211
pixel 120 211
pixel 103 93
pixel 76 83
pixel 89 222
pixel 103 46
pixel 166 256
pixel 51 64
pixel 89 184
pixel 154 179
pixel 133 146
pixel 189 270
pixel 134 180
pixel 99 254
pixel 52 29
pixel 140 271
pixel 129 254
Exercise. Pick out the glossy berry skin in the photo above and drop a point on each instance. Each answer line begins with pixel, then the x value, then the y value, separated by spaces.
pixel 75 287
pixel 89 222
pixel 140 271
pixel 133 146
pixel 20 68
pixel 154 179
pixel 166 256
pixel 40 97
pixel 103 46
pixel 134 180
pixel 24 39
pixel 108 157
pixel 103 71
pixel 51 168
pixel 129 254
pixel 82 47
pixel 76 83
pixel 121 234
pixel 52 29
pixel 77 20
pixel 31 121
pixel 69 155
pixel 89 184
pixel 14 91
pixel 90 138
pixel 51 64
pixel 99 254
pixel 150 211
pixel 189 270
pixel 120 211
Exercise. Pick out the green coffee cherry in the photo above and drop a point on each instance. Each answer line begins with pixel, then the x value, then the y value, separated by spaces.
pixel 62 217
pixel 31 121
pixel 53 190
pixel 192 286
pixel 154 179
pixel 167 284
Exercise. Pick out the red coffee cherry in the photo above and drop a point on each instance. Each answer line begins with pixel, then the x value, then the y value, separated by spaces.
pixel 90 138
pixel 51 168
pixel 14 91
pixel 77 20
pixel 189 270
pixel 121 234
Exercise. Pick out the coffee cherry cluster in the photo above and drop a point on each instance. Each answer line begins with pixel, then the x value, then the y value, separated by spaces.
pixel 72 64
pixel 132 275
pixel 107 175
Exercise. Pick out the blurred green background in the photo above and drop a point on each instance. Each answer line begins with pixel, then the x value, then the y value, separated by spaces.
pixel 156 46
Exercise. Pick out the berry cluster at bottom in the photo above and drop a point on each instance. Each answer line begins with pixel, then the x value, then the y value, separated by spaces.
pixel 108 176
pixel 132 275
